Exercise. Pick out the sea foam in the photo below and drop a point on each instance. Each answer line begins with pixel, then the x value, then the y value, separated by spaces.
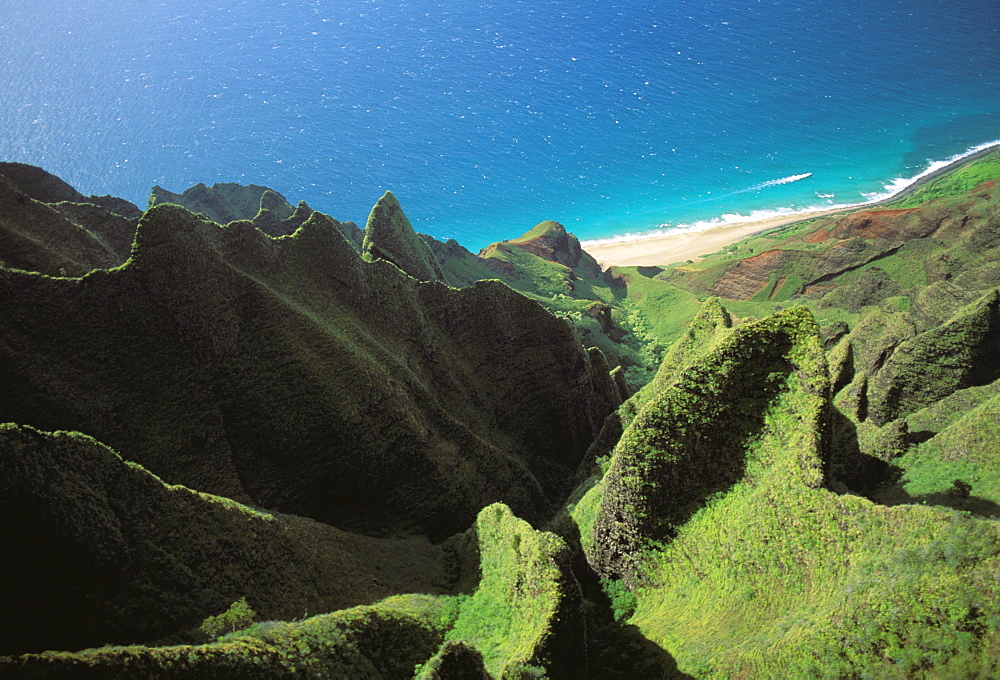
pixel 900 184
pixel 891 189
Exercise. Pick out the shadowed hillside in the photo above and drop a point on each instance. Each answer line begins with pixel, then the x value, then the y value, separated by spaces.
pixel 377 455
pixel 292 374
pixel 125 557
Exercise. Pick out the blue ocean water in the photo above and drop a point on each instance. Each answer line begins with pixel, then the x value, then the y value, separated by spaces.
pixel 485 118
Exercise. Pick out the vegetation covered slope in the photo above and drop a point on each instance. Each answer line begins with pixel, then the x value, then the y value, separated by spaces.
pixel 806 487
pixel 742 564
pixel 770 574
pixel 389 236
pixel 62 238
pixel 690 439
pixel 379 642
pixel 525 619
pixel 268 210
pixel 121 556
pixel 292 374
pixel 526 611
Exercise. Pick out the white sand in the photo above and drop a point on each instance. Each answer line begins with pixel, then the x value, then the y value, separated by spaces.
pixel 670 248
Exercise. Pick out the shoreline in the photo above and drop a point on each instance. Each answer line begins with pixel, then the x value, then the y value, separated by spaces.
pixel 665 249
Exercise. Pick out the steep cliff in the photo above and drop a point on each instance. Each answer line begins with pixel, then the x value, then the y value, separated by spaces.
pixel 291 373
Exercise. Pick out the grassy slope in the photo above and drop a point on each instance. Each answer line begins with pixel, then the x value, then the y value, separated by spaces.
pixel 523 620
pixel 776 577
pixel 582 299
pixel 691 437
pixel 962 446
pixel 108 552
pixel 526 609
pixel 938 251
pixel 380 641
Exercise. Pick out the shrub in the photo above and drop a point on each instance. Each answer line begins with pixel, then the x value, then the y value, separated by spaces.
pixel 238 616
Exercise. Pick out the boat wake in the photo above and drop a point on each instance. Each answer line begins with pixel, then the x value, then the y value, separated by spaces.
pixel 778 182
pixel 770 183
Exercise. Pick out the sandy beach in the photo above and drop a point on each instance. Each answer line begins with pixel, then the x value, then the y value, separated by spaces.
pixel 669 248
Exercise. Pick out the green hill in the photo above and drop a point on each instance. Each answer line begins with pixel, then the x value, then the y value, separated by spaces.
pixel 275 448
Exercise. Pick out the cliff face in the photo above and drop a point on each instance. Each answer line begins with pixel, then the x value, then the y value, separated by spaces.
pixel 44 187
pixel 265 208
pixel 292 374
pixel 39 185
pixel 67 234
pixel 222 203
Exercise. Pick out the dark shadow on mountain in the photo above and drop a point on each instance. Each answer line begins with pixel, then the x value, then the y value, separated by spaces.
pixel 616 650
pixel 919 437
pixel 851 471
pixel 848 468
pixel 956 498
pixel 649 272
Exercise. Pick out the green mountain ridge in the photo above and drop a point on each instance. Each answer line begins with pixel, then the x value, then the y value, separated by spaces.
pixel 782 460
pixel 302 343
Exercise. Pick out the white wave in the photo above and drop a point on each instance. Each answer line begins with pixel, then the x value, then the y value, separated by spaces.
pixel 891 189
pixel 770 183
pixel 899 184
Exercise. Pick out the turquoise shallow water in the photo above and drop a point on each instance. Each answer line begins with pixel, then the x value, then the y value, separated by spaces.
pixel 487 118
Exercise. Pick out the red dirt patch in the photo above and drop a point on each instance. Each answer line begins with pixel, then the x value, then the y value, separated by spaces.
pixel 869 224
pixel 748 277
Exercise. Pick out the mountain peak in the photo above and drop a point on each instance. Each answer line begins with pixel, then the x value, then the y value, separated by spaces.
pixel 550 241
pixel 390 236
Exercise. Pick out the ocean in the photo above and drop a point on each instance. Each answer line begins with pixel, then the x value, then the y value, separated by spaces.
pixel 614 118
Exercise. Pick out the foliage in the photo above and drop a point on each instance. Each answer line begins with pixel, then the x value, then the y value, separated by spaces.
pixel 239 615
pixel 389 236
pixel 107 551
pixel 622 599
pixel 384 640
pixel 299 376
pixel 525 610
